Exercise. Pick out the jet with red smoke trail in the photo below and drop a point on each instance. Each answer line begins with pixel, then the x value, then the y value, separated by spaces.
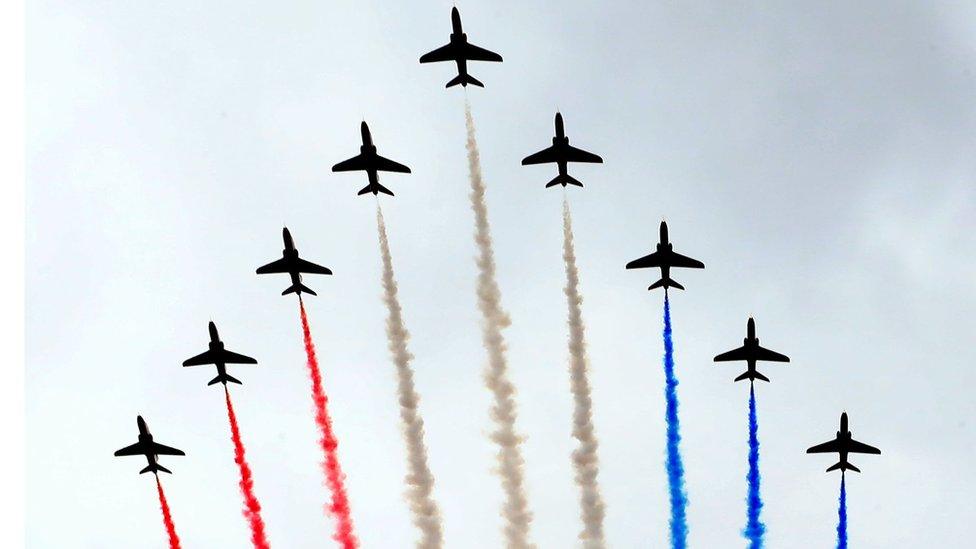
pixel 219 357
pixel 147 447
pixel 368 161
pixel 751 352
pixel 664 258
pixel 293 265
pixel 561 152
pixel 460 51
pixel 842 445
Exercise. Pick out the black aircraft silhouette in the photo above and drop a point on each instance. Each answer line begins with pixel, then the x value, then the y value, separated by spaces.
pixel 152 450
pixel 665 258
pixel 751 352
pixel 843 444
pixel 368 161
pixel 460 51
pixel 219 357
pixel 561 153
pixel 293 265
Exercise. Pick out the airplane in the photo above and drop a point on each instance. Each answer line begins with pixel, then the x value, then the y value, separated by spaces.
pixel 561 153
pixel 843 444
pixel 368 161
pixel 219 357
pixel 665 258
pixel 152 450
pixel 751 352
pixel 293 265
pixel 460 51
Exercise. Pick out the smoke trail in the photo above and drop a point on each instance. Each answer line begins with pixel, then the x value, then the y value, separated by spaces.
pixel 334 478
pixel 585 456
pixel 842 516
pixel 174 540
pixel 510 462
pixel 755 529
pixel 252 508
pixel 676 471
pixel 420 482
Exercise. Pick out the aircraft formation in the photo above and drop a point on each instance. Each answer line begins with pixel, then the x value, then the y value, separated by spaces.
pixel 460 51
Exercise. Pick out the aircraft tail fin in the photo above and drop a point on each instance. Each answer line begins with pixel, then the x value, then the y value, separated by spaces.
pixel 464 80
pixel 666 283
pixel 755 375
pixel 370 189
pixel 224 379
pixel 296 288
pixel 564 180
pixel 155 468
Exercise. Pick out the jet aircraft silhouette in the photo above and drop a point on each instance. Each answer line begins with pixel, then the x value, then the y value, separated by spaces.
pixel 219 357
pixel 843 444
pixel 368 161
pixel 460 51
pixel 152 450
pixel 751 352
pixel 665 258
pixel 561 153
pixel 293 265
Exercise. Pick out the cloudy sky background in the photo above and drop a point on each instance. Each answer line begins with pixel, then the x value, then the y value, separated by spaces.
pixel 818 159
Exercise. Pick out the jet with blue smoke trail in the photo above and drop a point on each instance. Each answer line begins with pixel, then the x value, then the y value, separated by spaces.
pixel 664 258
pixel 751 352
pixel 843 444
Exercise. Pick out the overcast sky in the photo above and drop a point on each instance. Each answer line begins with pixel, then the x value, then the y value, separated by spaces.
pixel 818 157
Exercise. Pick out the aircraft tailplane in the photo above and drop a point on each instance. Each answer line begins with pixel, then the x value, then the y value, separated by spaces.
pixel 369 189
pixel 840 465
pixel 154 468
pixel 224 379
pixel 755 375
pixel 464 80
pixel 296 288
pixel 666 283
pixel 564 180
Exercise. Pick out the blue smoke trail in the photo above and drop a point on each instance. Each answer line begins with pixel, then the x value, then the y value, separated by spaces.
pixel 755 529
pixel 676 471
pixel 842 516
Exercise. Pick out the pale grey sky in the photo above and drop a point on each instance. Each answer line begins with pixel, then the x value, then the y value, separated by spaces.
pixel 818 158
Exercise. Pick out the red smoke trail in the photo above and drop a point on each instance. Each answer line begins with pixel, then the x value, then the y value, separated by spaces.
pixel 174 540
pixel 252 508
pixel 333 472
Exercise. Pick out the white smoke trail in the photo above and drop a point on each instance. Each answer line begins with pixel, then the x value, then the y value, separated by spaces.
pixel 585 461
pixel 420 481
pixel 515 508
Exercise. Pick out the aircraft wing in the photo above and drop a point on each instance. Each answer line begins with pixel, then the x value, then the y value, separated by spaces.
pixel 733 355
pixel 856 447
pixel 133 450
pixel 545 156
pixel 579 155
pixel 650 260
pixel 829 447
pixel 230 357
pixel 205 357
pixel 443 53
pixel 354 164
pixel 678 260
pixel 474 53
pixel 279 266
pixel 163 450
pixel 770 356
pixel 312 268
pixel 387 165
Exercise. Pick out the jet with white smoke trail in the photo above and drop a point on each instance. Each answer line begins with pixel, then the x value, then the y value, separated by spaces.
pixel 561 153
pixel 460 51
pixel 368 161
